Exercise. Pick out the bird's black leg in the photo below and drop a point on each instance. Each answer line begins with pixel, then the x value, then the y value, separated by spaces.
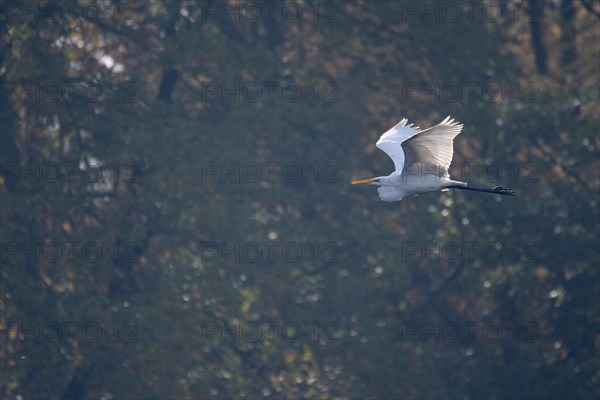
pixel 496 190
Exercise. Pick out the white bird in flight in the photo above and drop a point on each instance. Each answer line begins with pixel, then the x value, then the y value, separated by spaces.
pixel 422 159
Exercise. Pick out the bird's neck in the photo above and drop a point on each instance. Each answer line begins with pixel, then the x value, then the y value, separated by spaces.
pixel 387 180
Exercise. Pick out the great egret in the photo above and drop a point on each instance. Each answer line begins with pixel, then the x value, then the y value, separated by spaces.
pixel 422 159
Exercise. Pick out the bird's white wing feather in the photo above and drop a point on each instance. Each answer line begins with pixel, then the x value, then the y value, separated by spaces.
pixel 433 147
pixel 391 142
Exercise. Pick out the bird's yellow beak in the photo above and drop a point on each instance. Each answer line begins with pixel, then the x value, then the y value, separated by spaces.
pixel 363 182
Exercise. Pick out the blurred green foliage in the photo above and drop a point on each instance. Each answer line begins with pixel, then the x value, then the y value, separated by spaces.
pixel 178 319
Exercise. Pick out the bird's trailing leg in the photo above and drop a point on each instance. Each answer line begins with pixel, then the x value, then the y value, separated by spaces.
pixel 495 190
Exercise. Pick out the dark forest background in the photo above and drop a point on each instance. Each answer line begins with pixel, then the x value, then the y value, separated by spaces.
pixel 143 257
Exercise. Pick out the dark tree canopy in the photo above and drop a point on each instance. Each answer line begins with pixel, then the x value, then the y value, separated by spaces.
pixel 177 219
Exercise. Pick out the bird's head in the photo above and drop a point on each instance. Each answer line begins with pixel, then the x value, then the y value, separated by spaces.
pixel 379 181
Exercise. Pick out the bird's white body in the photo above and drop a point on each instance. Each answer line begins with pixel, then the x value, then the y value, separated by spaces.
pixel 409 185
pixel 421 158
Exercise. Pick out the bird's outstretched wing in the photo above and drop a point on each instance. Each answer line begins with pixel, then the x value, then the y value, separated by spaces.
pixel 391 142
pixel 432 148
